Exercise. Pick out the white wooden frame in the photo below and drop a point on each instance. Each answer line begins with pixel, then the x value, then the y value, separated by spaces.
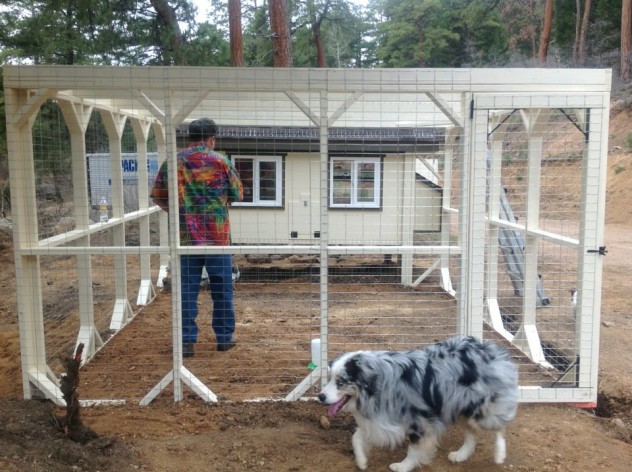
pixel 355 163
pixel 163 98
pixel 256 185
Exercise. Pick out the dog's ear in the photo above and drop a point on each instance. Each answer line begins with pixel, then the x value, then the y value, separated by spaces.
pixel 361 373
pixel 353 369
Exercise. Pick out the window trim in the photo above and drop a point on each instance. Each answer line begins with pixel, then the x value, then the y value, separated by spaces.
pixel 355 163
pixel 257 160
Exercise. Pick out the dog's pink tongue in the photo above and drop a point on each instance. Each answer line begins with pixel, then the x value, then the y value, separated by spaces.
pixel 336 407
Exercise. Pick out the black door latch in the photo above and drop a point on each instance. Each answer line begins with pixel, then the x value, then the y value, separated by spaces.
pixel 602 250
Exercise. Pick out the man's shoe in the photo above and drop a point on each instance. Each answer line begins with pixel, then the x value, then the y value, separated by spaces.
pixel 223 347
pixel 188 350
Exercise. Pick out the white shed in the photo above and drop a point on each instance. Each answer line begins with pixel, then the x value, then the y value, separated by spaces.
pixel 371 188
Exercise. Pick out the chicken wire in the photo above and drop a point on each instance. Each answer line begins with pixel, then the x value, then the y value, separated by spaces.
pixel 374 220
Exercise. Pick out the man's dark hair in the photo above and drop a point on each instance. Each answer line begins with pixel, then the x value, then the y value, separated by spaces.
pixel 202 129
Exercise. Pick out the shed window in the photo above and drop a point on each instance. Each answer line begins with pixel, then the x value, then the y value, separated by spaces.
pixel 354 182
pixel 262 180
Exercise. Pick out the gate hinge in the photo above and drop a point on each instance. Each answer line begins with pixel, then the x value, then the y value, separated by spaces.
pixel 602 250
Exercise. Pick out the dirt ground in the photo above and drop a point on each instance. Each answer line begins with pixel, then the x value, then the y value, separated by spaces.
pixel 281 436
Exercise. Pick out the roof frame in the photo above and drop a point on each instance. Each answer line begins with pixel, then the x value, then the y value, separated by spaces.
pixel 284 97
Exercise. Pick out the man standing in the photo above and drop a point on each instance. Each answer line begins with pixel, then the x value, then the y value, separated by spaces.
pixel 207 182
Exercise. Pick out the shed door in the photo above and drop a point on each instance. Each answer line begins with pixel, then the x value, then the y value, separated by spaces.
pixel 303 196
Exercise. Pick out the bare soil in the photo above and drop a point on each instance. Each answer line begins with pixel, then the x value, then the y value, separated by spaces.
pixel 280 436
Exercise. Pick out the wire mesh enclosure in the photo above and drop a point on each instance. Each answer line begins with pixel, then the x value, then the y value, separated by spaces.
pixel 382 209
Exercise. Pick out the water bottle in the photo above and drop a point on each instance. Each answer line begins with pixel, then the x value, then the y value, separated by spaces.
pixel 104 214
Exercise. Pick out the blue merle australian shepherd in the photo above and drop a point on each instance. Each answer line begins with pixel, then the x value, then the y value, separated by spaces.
pixel 417 394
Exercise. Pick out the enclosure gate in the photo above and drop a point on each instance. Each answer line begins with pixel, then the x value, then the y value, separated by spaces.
pixel 581 249
pixel 347 294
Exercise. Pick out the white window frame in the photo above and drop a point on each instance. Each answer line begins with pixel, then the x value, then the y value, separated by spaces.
pixel 256 200
pixel 355 164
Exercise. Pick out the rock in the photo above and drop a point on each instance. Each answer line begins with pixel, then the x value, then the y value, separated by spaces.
pixel 618 423
pixel 6 225
pixel 324 423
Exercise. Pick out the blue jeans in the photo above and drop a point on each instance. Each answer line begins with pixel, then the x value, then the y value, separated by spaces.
pixel 219 269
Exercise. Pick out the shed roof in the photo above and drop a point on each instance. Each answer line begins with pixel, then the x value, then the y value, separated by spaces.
pixel 362 140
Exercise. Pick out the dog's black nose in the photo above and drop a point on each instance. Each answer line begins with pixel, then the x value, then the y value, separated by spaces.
pixel 322 397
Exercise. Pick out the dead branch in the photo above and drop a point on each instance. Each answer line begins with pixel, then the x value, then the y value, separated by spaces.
pixel 71 424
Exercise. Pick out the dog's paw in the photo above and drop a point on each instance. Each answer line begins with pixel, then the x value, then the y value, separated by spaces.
pixel 499 457
pixel 399 467
pixel 458 456
pixel 362 464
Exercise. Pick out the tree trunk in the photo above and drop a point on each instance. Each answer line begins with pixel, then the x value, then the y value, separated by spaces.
pixel 420 41
pixel 236 37
pixel 578 15
pixel 626 39
pixel 69 56
pixel 279 25
pixel 317 21
pixel 320 48
pixel 420 45
pixel 545 36
pixel 581 54
pixel 173 43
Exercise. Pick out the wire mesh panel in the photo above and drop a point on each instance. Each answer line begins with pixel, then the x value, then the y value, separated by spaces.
pixel 380 210
pixel 538 166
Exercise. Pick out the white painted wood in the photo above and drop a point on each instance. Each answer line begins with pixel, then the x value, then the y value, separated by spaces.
pixel 265 79
pixel 27 270
pixel 174 241
pixel 44 384
pixel 426 273
pixel 164 97
pixel 77 117
pixel 476 236
pixel 593 204
pixel 90 338
pixel 157 389
pixel 122 313
pixel 146 291
pixel 303 387
pixel 290 249
pixel 198 387
pixel 29 109
pixel 528 338
pixel 407 211
pixel 446 108
pixel 114 124
pixel 294 98
pixel 536 233
pixel 494 189
pixel 151 106
pixel 452 137
pixel 159 136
